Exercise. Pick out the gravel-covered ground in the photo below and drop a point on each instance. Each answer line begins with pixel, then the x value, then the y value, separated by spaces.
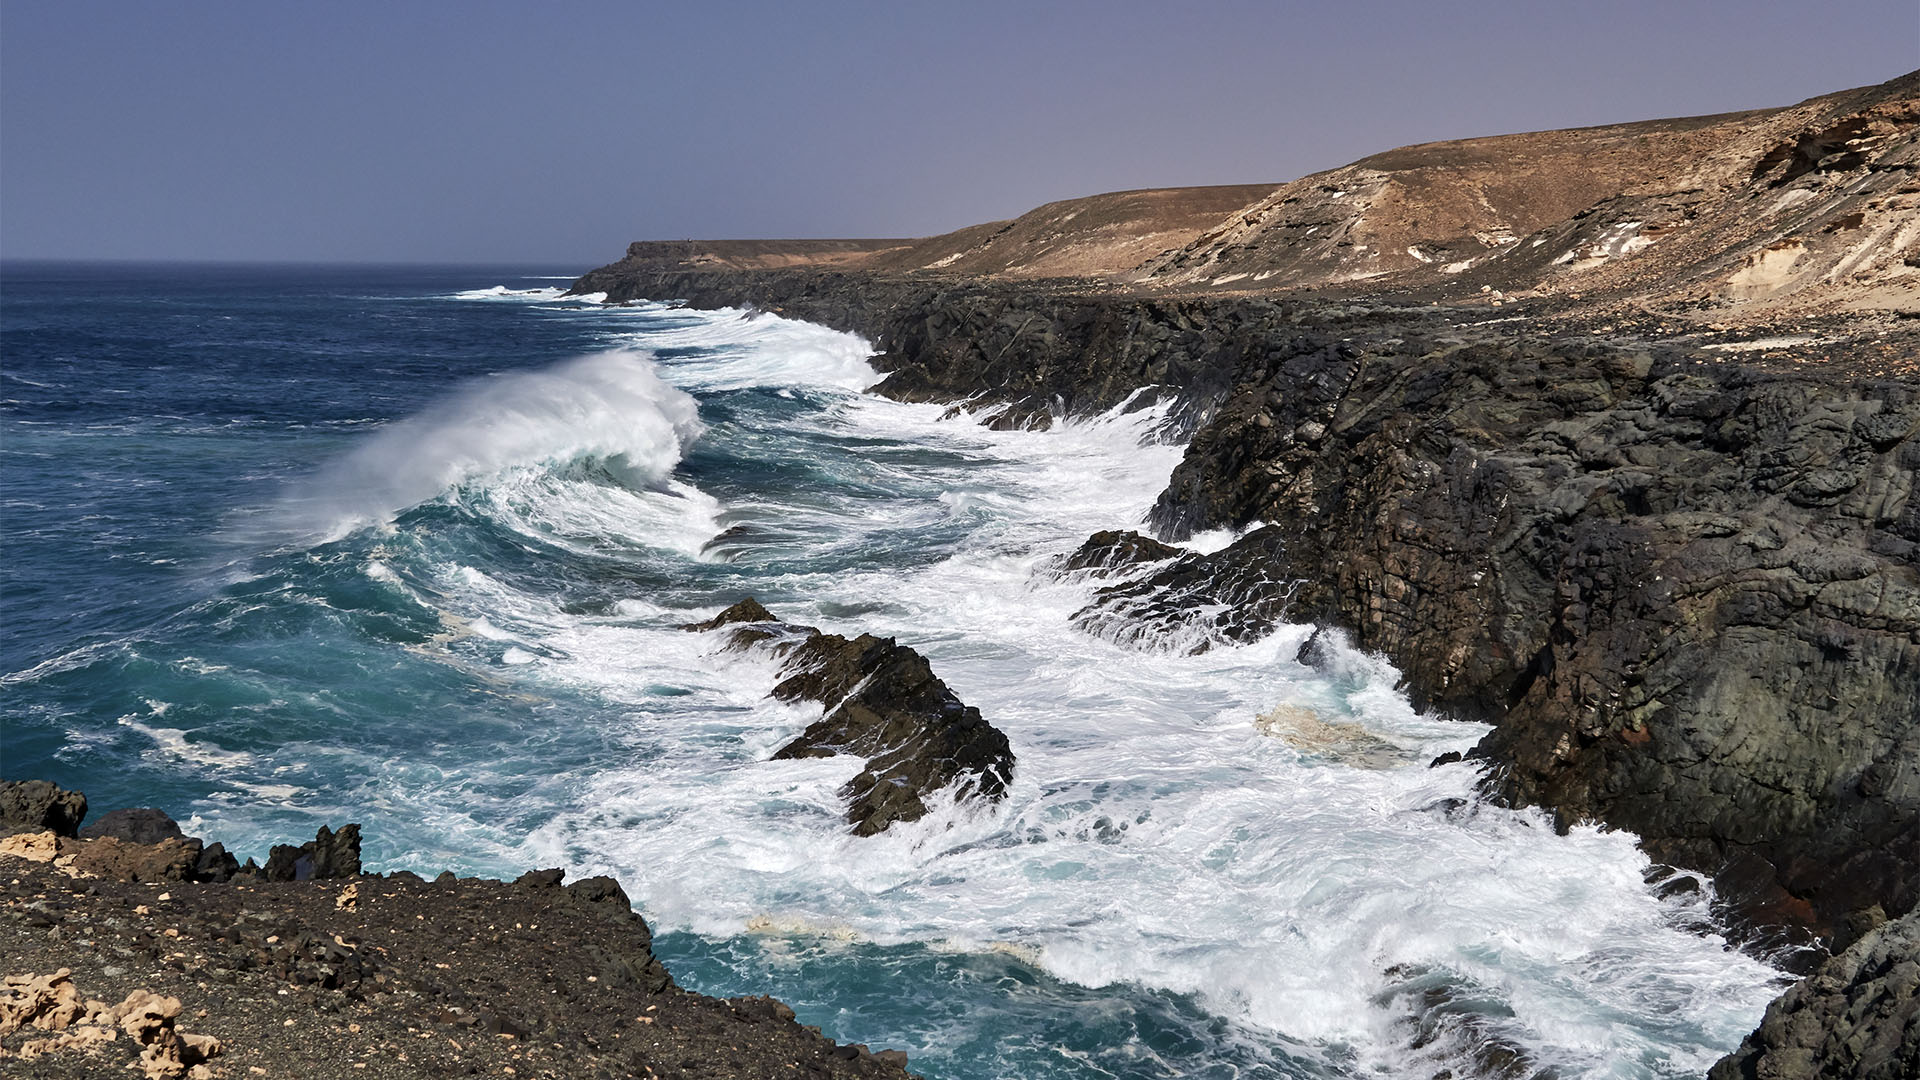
pixel 372 977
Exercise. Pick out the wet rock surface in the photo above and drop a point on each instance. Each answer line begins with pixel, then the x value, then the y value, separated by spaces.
pixel 1675 563
pixel 1857 1017
pixel 883 703
pixel 364 976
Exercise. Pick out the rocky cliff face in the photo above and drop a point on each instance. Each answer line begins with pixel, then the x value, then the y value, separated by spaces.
pixel 1674 563
pixel 1688 597
pixel 1858 1016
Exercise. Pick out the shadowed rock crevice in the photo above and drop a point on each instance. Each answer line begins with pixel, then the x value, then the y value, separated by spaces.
pixel 883 703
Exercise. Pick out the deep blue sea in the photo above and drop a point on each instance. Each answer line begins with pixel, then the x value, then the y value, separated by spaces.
pixel 409 547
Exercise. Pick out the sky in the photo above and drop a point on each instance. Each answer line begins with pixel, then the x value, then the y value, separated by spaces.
pixel 416 131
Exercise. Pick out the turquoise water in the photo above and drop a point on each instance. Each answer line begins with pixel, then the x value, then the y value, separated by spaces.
pixel 287 547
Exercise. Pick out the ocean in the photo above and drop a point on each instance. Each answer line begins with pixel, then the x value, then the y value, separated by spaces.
pixel 411 547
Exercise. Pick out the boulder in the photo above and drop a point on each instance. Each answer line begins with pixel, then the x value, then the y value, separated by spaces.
pixel 36 805
pixel 142 825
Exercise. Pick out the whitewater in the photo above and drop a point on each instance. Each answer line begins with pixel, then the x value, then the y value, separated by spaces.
pixel 1220 862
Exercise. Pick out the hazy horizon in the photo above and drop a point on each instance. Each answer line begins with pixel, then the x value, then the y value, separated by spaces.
pixel 495 134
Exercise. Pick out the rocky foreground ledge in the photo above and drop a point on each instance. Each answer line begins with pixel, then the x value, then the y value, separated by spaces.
pixel 124 953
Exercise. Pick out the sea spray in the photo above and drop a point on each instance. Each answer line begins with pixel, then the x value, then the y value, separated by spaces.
pixel 609 410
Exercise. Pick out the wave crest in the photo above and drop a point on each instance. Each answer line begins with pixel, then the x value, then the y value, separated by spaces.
pixel 610 408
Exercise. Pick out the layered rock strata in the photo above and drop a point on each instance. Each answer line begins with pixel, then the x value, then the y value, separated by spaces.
pixel 883 703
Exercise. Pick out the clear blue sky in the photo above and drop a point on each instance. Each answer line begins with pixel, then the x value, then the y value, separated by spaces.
pixel 556 132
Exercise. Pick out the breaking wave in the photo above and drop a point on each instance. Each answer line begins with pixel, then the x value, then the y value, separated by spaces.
pixel 609 412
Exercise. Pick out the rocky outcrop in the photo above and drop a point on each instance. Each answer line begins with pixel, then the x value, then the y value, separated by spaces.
pixel 1857 1018
pixel 1682 588
pixel 141 844
pixel 328 855
pixel 1186 601
pixel 138 825
pixel 1020 357
pixel 883 703
pixel 31 806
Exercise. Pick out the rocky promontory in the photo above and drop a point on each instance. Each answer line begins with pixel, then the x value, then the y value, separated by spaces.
pixel 883 703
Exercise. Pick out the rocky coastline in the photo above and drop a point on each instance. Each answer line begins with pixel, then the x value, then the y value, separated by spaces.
pixel 1682 583
pixel 1685 589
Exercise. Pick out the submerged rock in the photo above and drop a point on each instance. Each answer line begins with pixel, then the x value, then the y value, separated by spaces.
pixel 1192 602
pixel 1111 551
pixel 883 703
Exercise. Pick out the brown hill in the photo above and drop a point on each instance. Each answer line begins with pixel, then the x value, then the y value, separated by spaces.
pixel 753 254
pixel 1813 205
pixel 1101 236
pixel 1812 208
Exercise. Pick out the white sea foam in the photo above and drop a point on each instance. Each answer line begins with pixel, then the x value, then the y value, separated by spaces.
pixel 610 409
pixel 501 292
pixel 754 348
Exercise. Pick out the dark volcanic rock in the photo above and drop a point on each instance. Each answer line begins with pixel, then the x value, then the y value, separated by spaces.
pixel 883 703
pixel 1857 1018
pixel 389 978
pixel 37 805
pixel 746 611
pixel 328 855
pixel 1194 602
pixel 142 825
pixel 1110 551
pixel 1684 590
pixel 1687 596
pixel 1032 354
